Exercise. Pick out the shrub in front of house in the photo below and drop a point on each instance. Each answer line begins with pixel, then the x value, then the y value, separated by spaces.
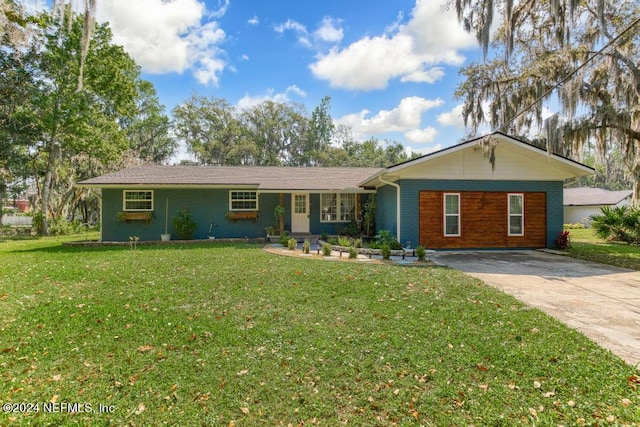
pixel 353 253
pixel 292 244
pixel 563 241
pixel 326 249
pixel 184 224
pixel 385 251
pixel 385 238
pixel 284 239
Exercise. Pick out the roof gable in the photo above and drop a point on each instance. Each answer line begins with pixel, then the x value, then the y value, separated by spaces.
pixel 514 160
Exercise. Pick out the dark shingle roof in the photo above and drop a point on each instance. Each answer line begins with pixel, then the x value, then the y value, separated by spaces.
pixel 262 177
pixel 586 196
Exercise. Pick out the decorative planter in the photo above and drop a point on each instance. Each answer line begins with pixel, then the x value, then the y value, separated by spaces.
pixel 146 216
pixel 236 215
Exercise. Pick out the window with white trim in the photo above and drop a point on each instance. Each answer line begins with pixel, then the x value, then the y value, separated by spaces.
pixel 137 200
pixel 451 214
pixel 337 207
pixel 243 200
pixel 516 214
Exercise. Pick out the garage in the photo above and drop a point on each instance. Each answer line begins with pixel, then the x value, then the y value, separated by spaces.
pixel 482 219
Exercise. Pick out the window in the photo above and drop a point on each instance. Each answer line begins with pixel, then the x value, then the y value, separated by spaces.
pixel 243 200
pixel 516 214
pixel 451 214
pixel 337 207
pixel 138 200
pixel 300 203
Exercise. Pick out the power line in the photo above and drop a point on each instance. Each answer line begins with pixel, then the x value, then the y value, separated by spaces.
pixel 569 76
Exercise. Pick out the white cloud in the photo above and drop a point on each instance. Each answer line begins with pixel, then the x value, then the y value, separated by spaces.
pixel 253 21
pixel 452 118
pixel 290 25
pixel 411 52
pixel 168 36
pixel 368 63
pixel 404 118
pixel 296 90
pixel 205 58
pixel 301 31
pixel 223 5
pixel 421 136
pixel 329 31
pixel 249 101
pixel 430 75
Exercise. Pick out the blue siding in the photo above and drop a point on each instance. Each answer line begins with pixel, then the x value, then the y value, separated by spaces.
pixel 386 203
pixel 208 206
pixel 410 189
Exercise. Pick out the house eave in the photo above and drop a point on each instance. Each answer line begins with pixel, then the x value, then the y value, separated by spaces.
pixel 129 186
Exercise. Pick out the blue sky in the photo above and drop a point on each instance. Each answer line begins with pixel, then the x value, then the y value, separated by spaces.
pixel 390 67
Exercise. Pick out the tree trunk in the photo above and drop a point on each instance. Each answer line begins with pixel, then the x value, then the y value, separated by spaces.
pixel 46 186
pixel 635 198
pixel 3 194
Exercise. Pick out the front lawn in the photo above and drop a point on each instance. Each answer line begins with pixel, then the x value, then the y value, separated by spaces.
pixel 586 245
pixel 228 334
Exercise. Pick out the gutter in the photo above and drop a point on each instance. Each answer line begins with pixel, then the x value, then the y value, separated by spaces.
pixel 393 184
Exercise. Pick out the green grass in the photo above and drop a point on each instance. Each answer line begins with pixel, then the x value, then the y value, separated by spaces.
pixel 586 245
pixel 227 334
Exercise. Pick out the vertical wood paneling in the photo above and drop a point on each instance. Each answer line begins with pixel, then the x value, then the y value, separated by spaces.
pixel 484 222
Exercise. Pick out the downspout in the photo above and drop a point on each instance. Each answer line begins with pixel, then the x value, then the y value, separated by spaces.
pixel 393 184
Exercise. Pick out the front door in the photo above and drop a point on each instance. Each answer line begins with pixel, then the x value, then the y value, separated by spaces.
pixel 300 213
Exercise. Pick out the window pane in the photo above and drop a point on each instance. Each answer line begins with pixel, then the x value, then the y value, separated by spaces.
pixel 515 224
pixel 451 204
pixel 138 200
pixel 451 214
pixel 300 204
pixel 347 206
pixel 451 225
pixel 515 204
pixel 329 206
pixel 244 200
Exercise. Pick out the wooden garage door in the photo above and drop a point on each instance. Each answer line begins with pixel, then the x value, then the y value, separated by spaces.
pixel 483 220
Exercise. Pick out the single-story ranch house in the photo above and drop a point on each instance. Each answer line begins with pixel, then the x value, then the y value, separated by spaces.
pixel 464 196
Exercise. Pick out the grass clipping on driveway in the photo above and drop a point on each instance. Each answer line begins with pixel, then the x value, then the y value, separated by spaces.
pixel 222 334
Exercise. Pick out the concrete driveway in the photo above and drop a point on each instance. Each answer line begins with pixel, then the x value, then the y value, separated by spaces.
pixel 602 302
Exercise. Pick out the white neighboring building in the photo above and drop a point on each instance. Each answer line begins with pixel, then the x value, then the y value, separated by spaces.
pixel 582 202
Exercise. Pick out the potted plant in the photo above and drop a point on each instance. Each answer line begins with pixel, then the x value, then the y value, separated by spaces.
pixel 166 236
pixel 277 226
pixel 184 224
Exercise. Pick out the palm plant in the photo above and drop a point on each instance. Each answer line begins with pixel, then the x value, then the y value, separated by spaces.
pixel 620 223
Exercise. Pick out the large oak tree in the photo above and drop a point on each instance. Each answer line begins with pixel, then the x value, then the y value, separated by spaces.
pixel 582 56
pixel 74 122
